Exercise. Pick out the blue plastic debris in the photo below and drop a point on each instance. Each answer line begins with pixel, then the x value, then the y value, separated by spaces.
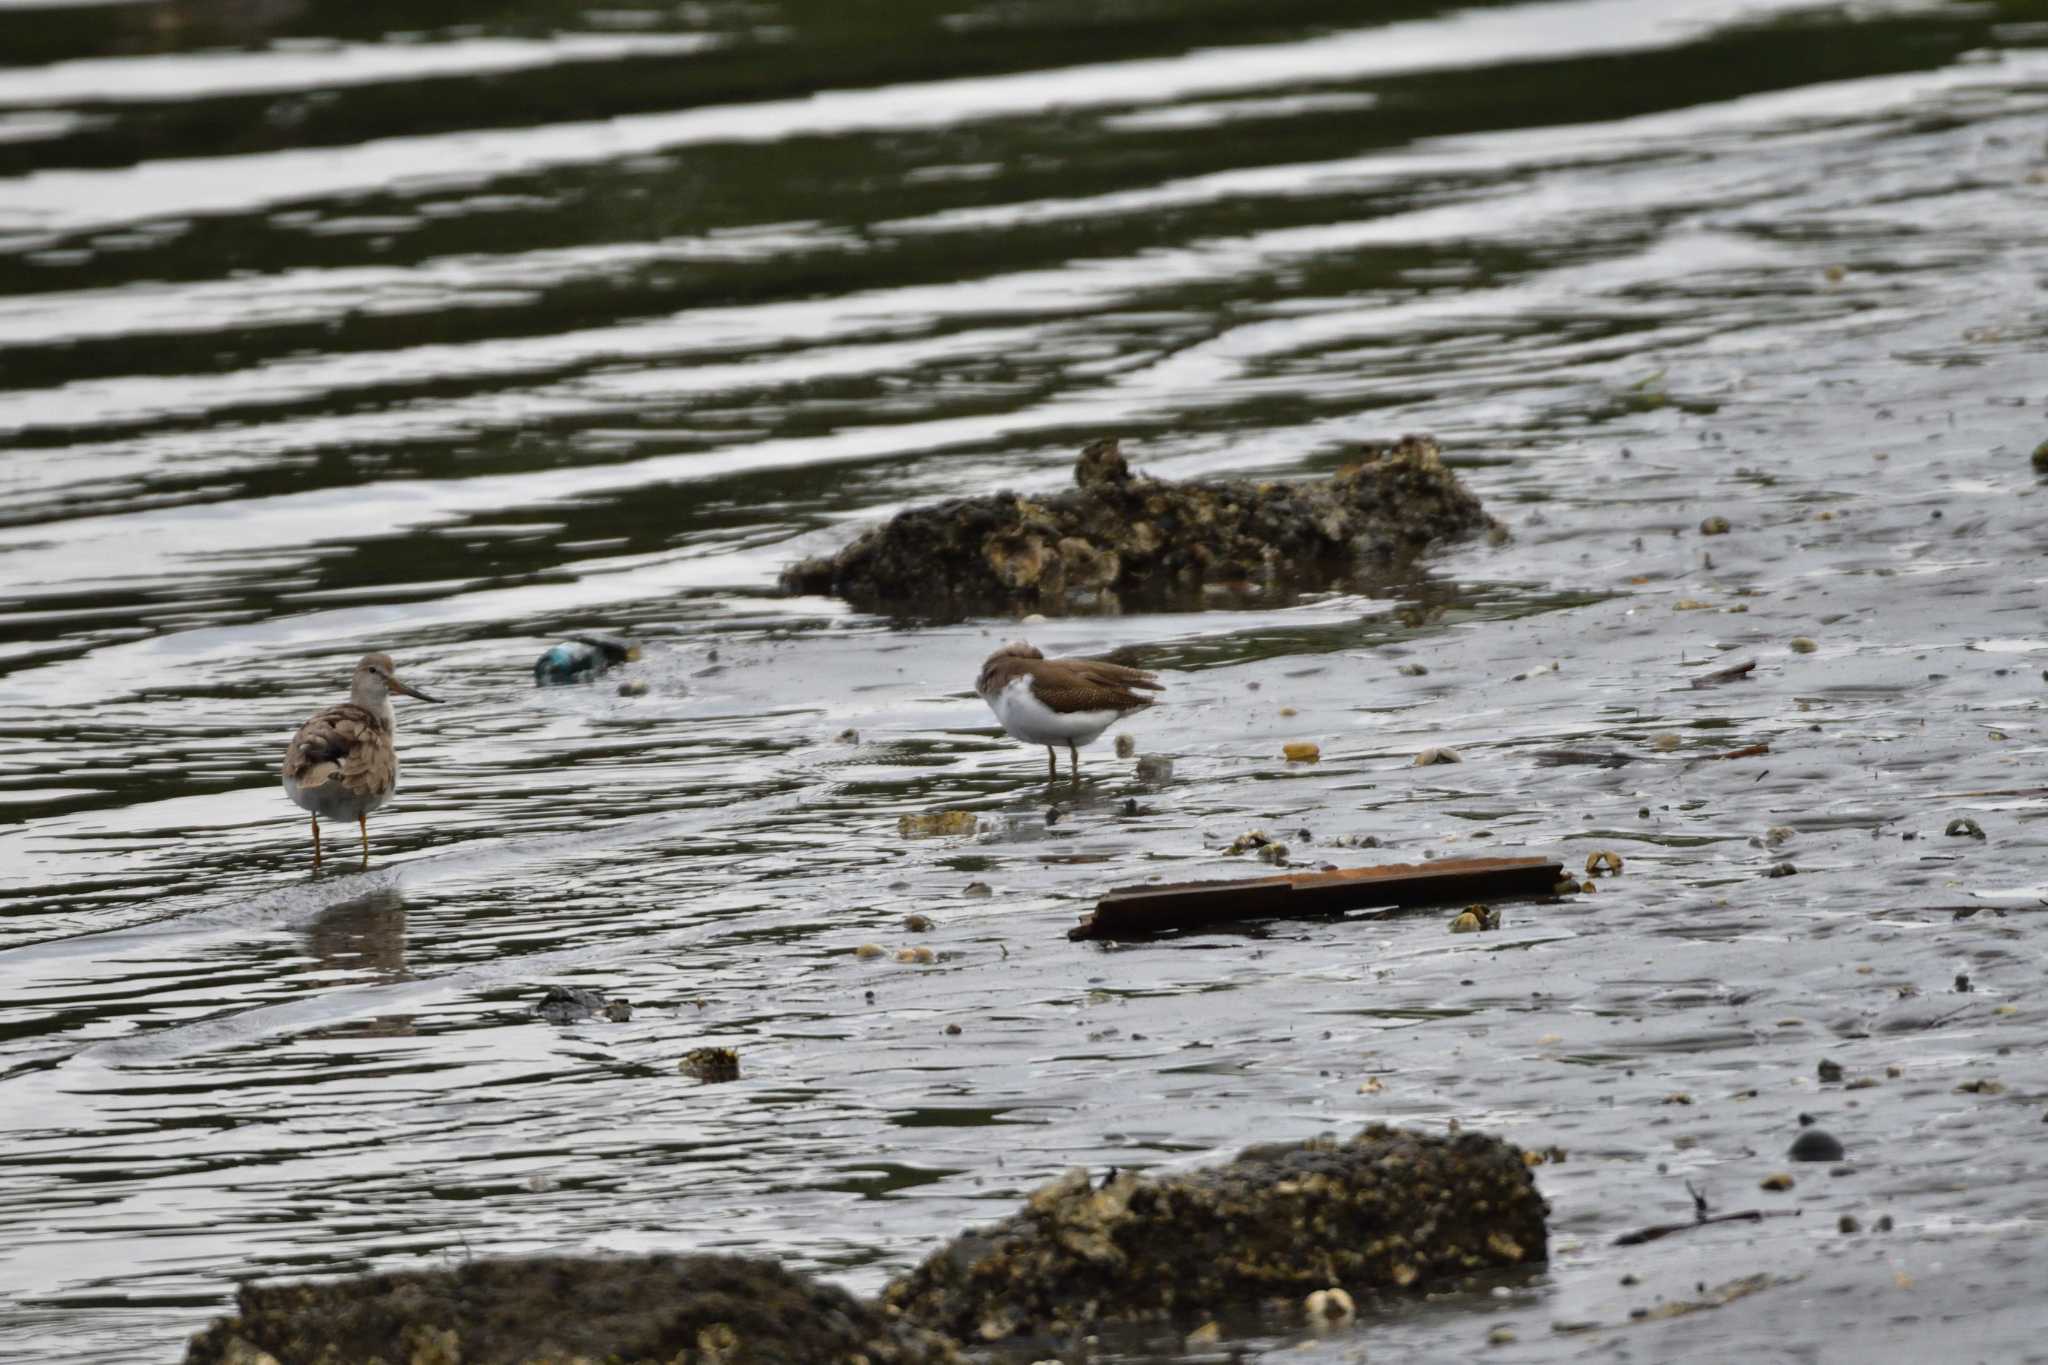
pixel 581 658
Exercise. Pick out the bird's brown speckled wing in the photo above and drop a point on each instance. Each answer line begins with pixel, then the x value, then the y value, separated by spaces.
pixel 344 742
pixel 1091 685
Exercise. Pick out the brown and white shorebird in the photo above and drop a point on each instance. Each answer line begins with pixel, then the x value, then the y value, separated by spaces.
pixel 1060 701
pixel 343 763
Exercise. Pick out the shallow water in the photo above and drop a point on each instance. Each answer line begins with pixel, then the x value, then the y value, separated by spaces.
pixel 318 336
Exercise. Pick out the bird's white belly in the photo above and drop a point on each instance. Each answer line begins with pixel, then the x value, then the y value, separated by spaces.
pixel 335 801
pixel 1027 718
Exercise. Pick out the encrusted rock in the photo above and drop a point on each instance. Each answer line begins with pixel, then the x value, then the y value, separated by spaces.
pixel 1124 537
pixel 1388 1210
pixel 561 1308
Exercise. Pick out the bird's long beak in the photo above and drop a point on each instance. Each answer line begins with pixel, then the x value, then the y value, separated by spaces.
pixel 397 686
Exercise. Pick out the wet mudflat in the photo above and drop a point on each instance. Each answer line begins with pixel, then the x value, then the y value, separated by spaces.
pixel 317 337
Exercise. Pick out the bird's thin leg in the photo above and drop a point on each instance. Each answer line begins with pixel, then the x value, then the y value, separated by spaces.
pixel 363 821
pixel 1052 764
pixel 1074 757
pixel 316 843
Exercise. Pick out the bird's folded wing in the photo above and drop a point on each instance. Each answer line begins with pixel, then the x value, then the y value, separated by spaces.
pixel 1097 686
pixel 341 739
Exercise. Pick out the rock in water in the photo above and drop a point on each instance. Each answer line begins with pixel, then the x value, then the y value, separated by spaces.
pixel 497 1312
pixel 1385 1211
pixel 581 658
pixel 1129 538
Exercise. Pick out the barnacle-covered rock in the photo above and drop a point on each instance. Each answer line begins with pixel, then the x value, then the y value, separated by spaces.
pixel 726 1309
pixel 1388 1210
pixel 1121 538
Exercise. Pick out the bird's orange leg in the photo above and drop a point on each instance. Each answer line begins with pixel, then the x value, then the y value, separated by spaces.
pixel 1052 764
pixel 363 821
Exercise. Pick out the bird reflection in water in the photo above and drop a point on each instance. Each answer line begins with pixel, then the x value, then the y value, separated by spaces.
pixel 364 938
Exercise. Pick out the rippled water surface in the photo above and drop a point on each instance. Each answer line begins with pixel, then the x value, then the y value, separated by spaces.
pixel 452 330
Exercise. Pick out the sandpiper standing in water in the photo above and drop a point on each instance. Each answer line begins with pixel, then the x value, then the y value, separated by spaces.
pixel 1060 701
pixel 343 763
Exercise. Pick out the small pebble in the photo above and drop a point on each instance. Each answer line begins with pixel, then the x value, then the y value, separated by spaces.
pixel 1155 768
pixel 1803 645
pixel 633 687
pixel 1777 1183
pixel 869 950
pixel 1429 756
pixel 1813 1144
pixel 1714 526
pixel 977 889
pixel 1847 1223
pixel 1330 1305
pixel 847 736
pixel 1783 870
pixel 1830 1071
pixel 921 924
pixel 1126 745
pixel 1418 671
pixel 1501 1336
pixel 711 1064
pixel 1301 753
pixel 952 1030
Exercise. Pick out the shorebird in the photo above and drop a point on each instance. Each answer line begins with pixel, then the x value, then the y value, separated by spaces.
pixel 1060 701
pixel 343 762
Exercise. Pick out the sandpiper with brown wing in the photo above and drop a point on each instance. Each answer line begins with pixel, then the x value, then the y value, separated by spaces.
pixel 343 762
pixel 1060 701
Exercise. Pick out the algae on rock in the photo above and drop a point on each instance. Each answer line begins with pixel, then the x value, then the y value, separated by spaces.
pixel 1120 537
pixel 701 1310
pixel 1386 1211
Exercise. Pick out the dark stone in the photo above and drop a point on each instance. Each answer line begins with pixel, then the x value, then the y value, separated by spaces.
pixel 1386 1211
pixel 1830 1071
pixel 711 1065
pixel 497 1312
pixel 1138 540
pixel 569 1004
pixel 1813 1144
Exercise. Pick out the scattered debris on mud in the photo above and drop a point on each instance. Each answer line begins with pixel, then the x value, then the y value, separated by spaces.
pixel 494 1312
pixel 1476 919
pixel 1119 537
pixel 1386 1211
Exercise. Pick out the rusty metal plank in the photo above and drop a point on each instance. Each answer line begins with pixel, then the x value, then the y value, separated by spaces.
pixel 1135 911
